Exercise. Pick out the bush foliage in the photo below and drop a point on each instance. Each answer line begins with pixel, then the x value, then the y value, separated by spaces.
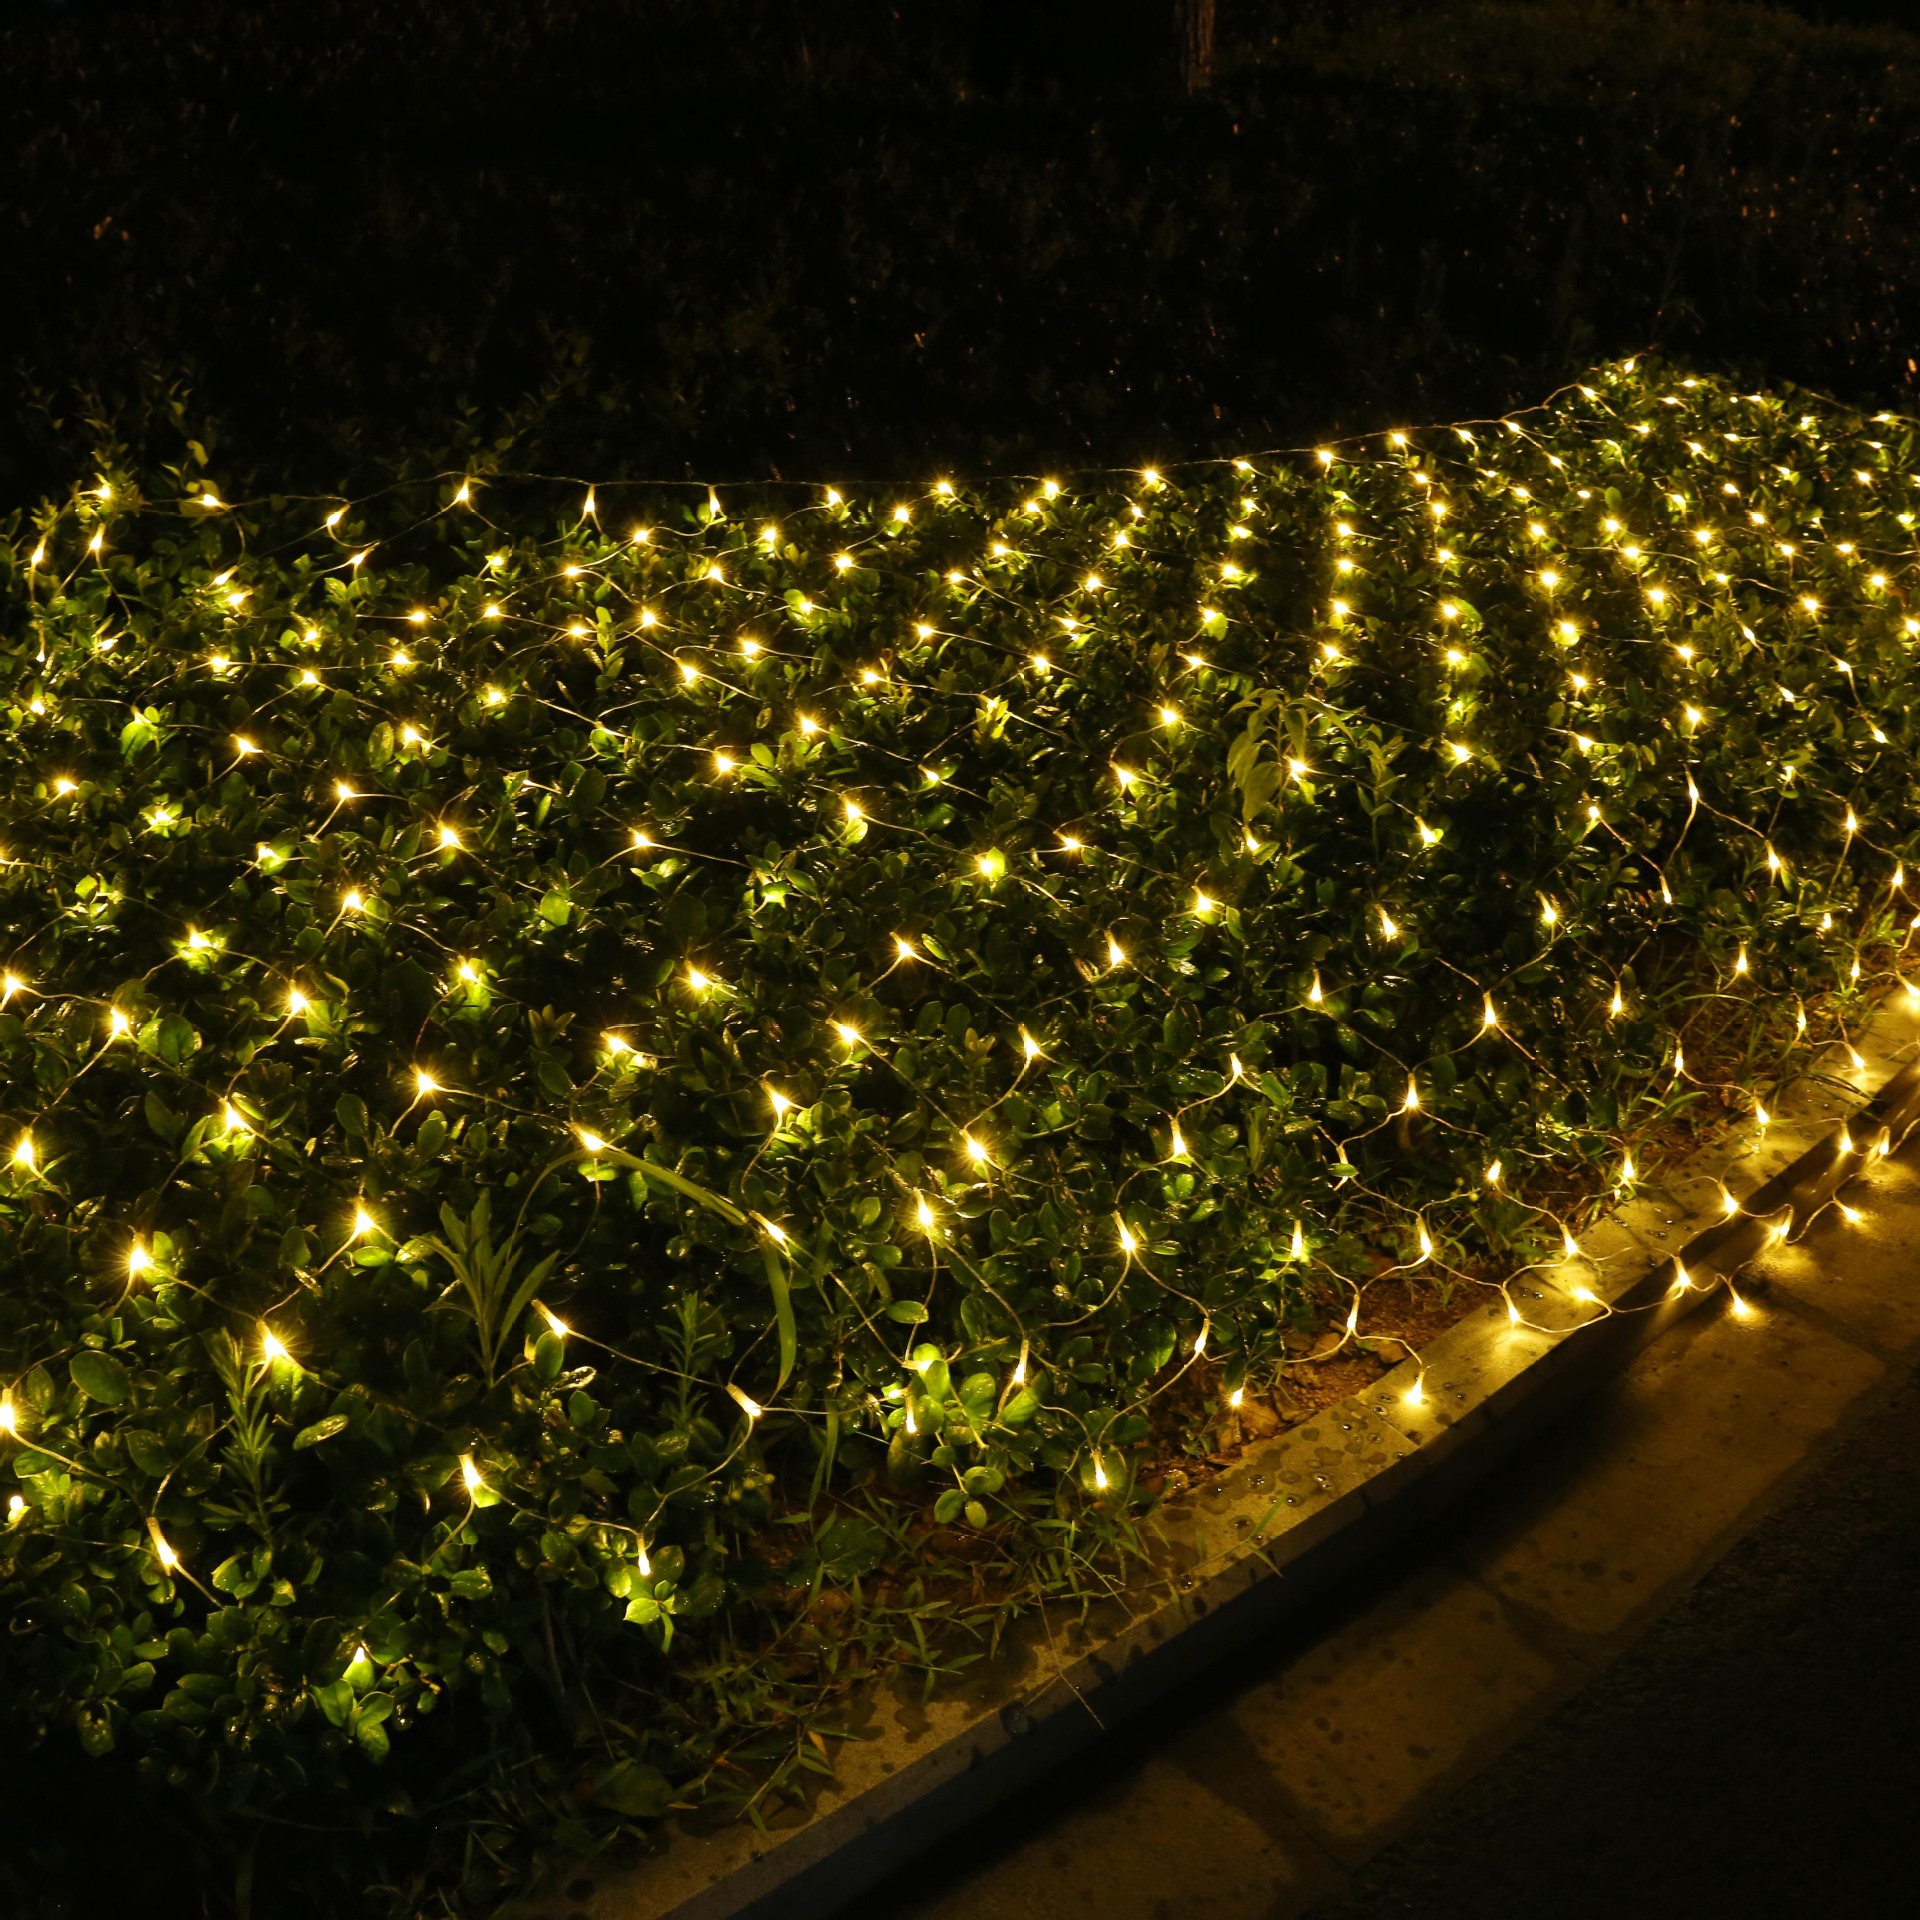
pixel 623 1109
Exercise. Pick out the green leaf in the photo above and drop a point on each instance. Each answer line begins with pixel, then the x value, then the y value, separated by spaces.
pixel 782 1311
pixel 100 1377
pixel 93 1722
pixel 147 1452
pixel 850 1546
pixel 677 1182
pixel 908 1313
pixel 174 1039
pixel 234 1575
pixel 640 1792
pixel 335 1701
pixel 1021 1408
pixel 320 1430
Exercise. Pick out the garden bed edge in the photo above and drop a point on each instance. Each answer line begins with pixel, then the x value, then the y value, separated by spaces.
pixel 1297 1513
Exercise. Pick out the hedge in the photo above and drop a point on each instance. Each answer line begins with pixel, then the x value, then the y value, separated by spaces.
pixel 624 1108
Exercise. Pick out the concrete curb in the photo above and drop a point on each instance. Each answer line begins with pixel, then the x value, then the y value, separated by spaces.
pixel 1296 1515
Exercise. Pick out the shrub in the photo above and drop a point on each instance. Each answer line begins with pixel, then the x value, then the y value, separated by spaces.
pixel 623 1109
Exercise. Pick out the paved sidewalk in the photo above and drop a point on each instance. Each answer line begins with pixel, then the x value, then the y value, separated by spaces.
pixel 1541 1706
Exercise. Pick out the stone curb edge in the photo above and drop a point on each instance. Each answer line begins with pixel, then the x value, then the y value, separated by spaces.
pixel 1294 1516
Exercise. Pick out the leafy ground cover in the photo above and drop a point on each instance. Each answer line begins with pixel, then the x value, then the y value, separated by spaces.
pixel 851 237
pixel 623 1108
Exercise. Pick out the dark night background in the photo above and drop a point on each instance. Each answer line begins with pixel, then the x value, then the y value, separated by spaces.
pixel 839 239
pixel 842 238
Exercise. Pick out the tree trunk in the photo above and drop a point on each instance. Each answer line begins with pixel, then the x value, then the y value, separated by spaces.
pixel 1197 19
